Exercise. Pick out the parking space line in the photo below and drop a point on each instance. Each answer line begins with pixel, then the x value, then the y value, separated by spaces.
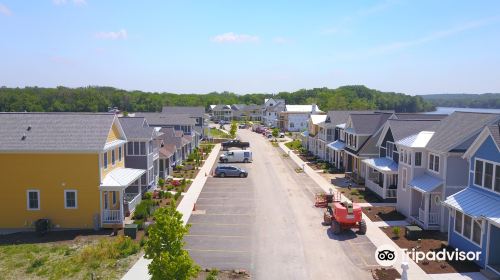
pixel 220 205
pixel 216 224
pixel 222 236
pixel 220 251
pixel 226 198
pixel 228 214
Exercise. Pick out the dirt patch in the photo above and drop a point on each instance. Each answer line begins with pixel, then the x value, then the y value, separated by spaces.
pixel 66 236
pixel 360 195
pixel 384 213
pixel 432 241
pixel 225 275
pixel 386 274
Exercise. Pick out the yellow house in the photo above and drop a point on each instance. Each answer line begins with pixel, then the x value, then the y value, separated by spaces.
pixel 66 167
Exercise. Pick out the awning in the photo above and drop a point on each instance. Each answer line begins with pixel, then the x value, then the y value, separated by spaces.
pixel 425 183
pixel 120 178
pixel 336 145
pixel 382 164
pixel 114 144
pixel 476 203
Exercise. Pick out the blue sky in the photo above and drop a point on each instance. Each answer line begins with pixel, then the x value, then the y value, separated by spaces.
pixel 414 47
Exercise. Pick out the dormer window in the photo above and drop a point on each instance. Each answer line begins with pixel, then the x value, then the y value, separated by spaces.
pixel 390 150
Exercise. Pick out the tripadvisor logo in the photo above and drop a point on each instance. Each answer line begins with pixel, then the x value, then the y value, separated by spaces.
pixel 386 255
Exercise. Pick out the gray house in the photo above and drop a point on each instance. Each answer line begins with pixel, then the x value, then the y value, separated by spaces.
pixel 141 151
pixel 196 113
pixel 433 167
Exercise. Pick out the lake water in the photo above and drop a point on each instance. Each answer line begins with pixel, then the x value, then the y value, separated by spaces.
pixel 449 110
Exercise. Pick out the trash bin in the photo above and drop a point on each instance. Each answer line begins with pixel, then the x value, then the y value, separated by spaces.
pixel 413 232
pixel 130 230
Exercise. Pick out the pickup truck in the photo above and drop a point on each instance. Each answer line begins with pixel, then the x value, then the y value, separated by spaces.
pixel 235 144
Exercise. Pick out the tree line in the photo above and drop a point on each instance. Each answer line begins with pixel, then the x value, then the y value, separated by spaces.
pixel 486 100
pixel 99 99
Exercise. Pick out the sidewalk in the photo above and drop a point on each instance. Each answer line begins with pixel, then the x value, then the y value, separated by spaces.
pixel 140 269
pixel 376 236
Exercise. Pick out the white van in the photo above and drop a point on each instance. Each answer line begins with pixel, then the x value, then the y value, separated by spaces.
pixel 236 156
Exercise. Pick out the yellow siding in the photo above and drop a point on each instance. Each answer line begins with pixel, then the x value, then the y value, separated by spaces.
pixel 118 163
pixel 114 134
pixel 51 174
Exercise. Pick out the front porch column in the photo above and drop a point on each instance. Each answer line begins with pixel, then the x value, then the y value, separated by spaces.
pixel 385 186
pixel 122 214
pixel 426 209
pixel 140 185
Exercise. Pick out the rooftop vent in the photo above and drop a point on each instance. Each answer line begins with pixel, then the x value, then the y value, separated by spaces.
pixel 29 128
pixel 23 137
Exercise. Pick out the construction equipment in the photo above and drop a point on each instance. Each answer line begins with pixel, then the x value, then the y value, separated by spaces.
pixel 344 215
pixel 322 199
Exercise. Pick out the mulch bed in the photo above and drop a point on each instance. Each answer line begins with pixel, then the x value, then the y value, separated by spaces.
pixel 383 213
pixel 360 195
pixel 432 241
pixel 386 274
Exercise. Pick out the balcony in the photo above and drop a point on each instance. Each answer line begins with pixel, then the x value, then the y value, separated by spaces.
pixel 112 217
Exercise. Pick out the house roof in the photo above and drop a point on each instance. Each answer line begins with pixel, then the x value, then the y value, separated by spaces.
pixel 221 107
pixel 401 128
pixel 382 164
pixel 121 177
pixel 339 117
pixel 193 111
pixel 367 123
pixel 136 128
pixel 54 131
pixel 171 136
pixel 418 140
pixel 316 119
pixel 425 183
pixel 418 116
pixel 302 108
pixel 167 150
pixel 161 119
pixel 458 130
pixel 476 203
pixel 495 133
pixel 336 145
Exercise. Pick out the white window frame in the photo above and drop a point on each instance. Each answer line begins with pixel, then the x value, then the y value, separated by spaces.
pixel 433 163
pixel 113 198
pixel 421 157
pixel 495 164
pixel 113 158
pixel 472 220
pixel 387 143
pixel 66 201
pixel 28 199
pixel 120 153
pixel 404 180
pixel 105 162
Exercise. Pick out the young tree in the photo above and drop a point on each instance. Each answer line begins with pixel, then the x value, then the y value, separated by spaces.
pixel 276 132
pixel 165 246
pixel 234 128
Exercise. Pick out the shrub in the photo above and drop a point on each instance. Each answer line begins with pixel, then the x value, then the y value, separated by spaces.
pixel 212 275
pixel 176 183
pixel 147 196
pixel 179 167
pixel 177 195
pixel 139 223
pixel 396 231
pixel 168 195
pixel 161 182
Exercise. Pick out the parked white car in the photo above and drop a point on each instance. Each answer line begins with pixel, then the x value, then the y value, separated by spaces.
pixel 236 156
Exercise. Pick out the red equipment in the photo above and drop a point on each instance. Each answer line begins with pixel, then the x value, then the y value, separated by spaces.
pixel 344 215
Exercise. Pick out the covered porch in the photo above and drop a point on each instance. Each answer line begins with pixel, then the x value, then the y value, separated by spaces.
pixel 425 202
pixel 381 177
pixel 117 195
pixel 336 153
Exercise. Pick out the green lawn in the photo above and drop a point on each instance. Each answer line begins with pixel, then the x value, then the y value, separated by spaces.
pixel 217 133
pixel 106 258
pixel 294 145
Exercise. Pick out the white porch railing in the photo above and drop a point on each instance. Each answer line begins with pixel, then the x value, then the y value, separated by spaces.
pixel 375 188
pixel 111 216
pixel 433 218
pixel 133 203
pixel 391 193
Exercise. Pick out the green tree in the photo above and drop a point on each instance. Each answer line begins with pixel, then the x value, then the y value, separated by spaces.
pixel 165 247
pixel 233 129
pixel 276 132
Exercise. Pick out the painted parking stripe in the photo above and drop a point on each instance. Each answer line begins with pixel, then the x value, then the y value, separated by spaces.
pixel 218 236
pixel 221 251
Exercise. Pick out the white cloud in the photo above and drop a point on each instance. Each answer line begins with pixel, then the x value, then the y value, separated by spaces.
pixel 112 35
pixel 231 37
pixel 4 10
pixel 64 2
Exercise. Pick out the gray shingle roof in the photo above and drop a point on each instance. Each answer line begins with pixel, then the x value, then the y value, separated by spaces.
pixel 190 110
pixel 368 123
pixel 340 117
pixel 54 131
pixel 457 131
pixel 495 132
pixel 162 119
pixel 136 128
pixel 404 128
pixel 419 116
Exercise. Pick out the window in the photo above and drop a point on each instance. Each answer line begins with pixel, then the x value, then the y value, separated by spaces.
pixel 130 148
pixel 418 158
pixel 119 153
pixel 136 148
pixel 404 180
pixel 33 200
pixel 292 124
pixel 113 157
pixel 458 221
pixel 476 231
pixel 106 200
pixel 70 199
pixel 488 175
pixel 478 174
pixel 143 180
pixel 467 226
pixel 113 197
pixel 409 158
pixel 434 163
pixel 105 157
pixel 390 150
pixel 150 147
pixel 497 178
pixel 143 148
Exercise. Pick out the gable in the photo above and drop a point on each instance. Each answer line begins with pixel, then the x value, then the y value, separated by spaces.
pixel 114 133
pixel 488 150
pixel 388 137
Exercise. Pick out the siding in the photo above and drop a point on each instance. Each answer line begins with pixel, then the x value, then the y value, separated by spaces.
pixel 47 173
pixel 458 241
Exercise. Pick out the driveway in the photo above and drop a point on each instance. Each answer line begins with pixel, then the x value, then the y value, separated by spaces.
pixel 267 224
